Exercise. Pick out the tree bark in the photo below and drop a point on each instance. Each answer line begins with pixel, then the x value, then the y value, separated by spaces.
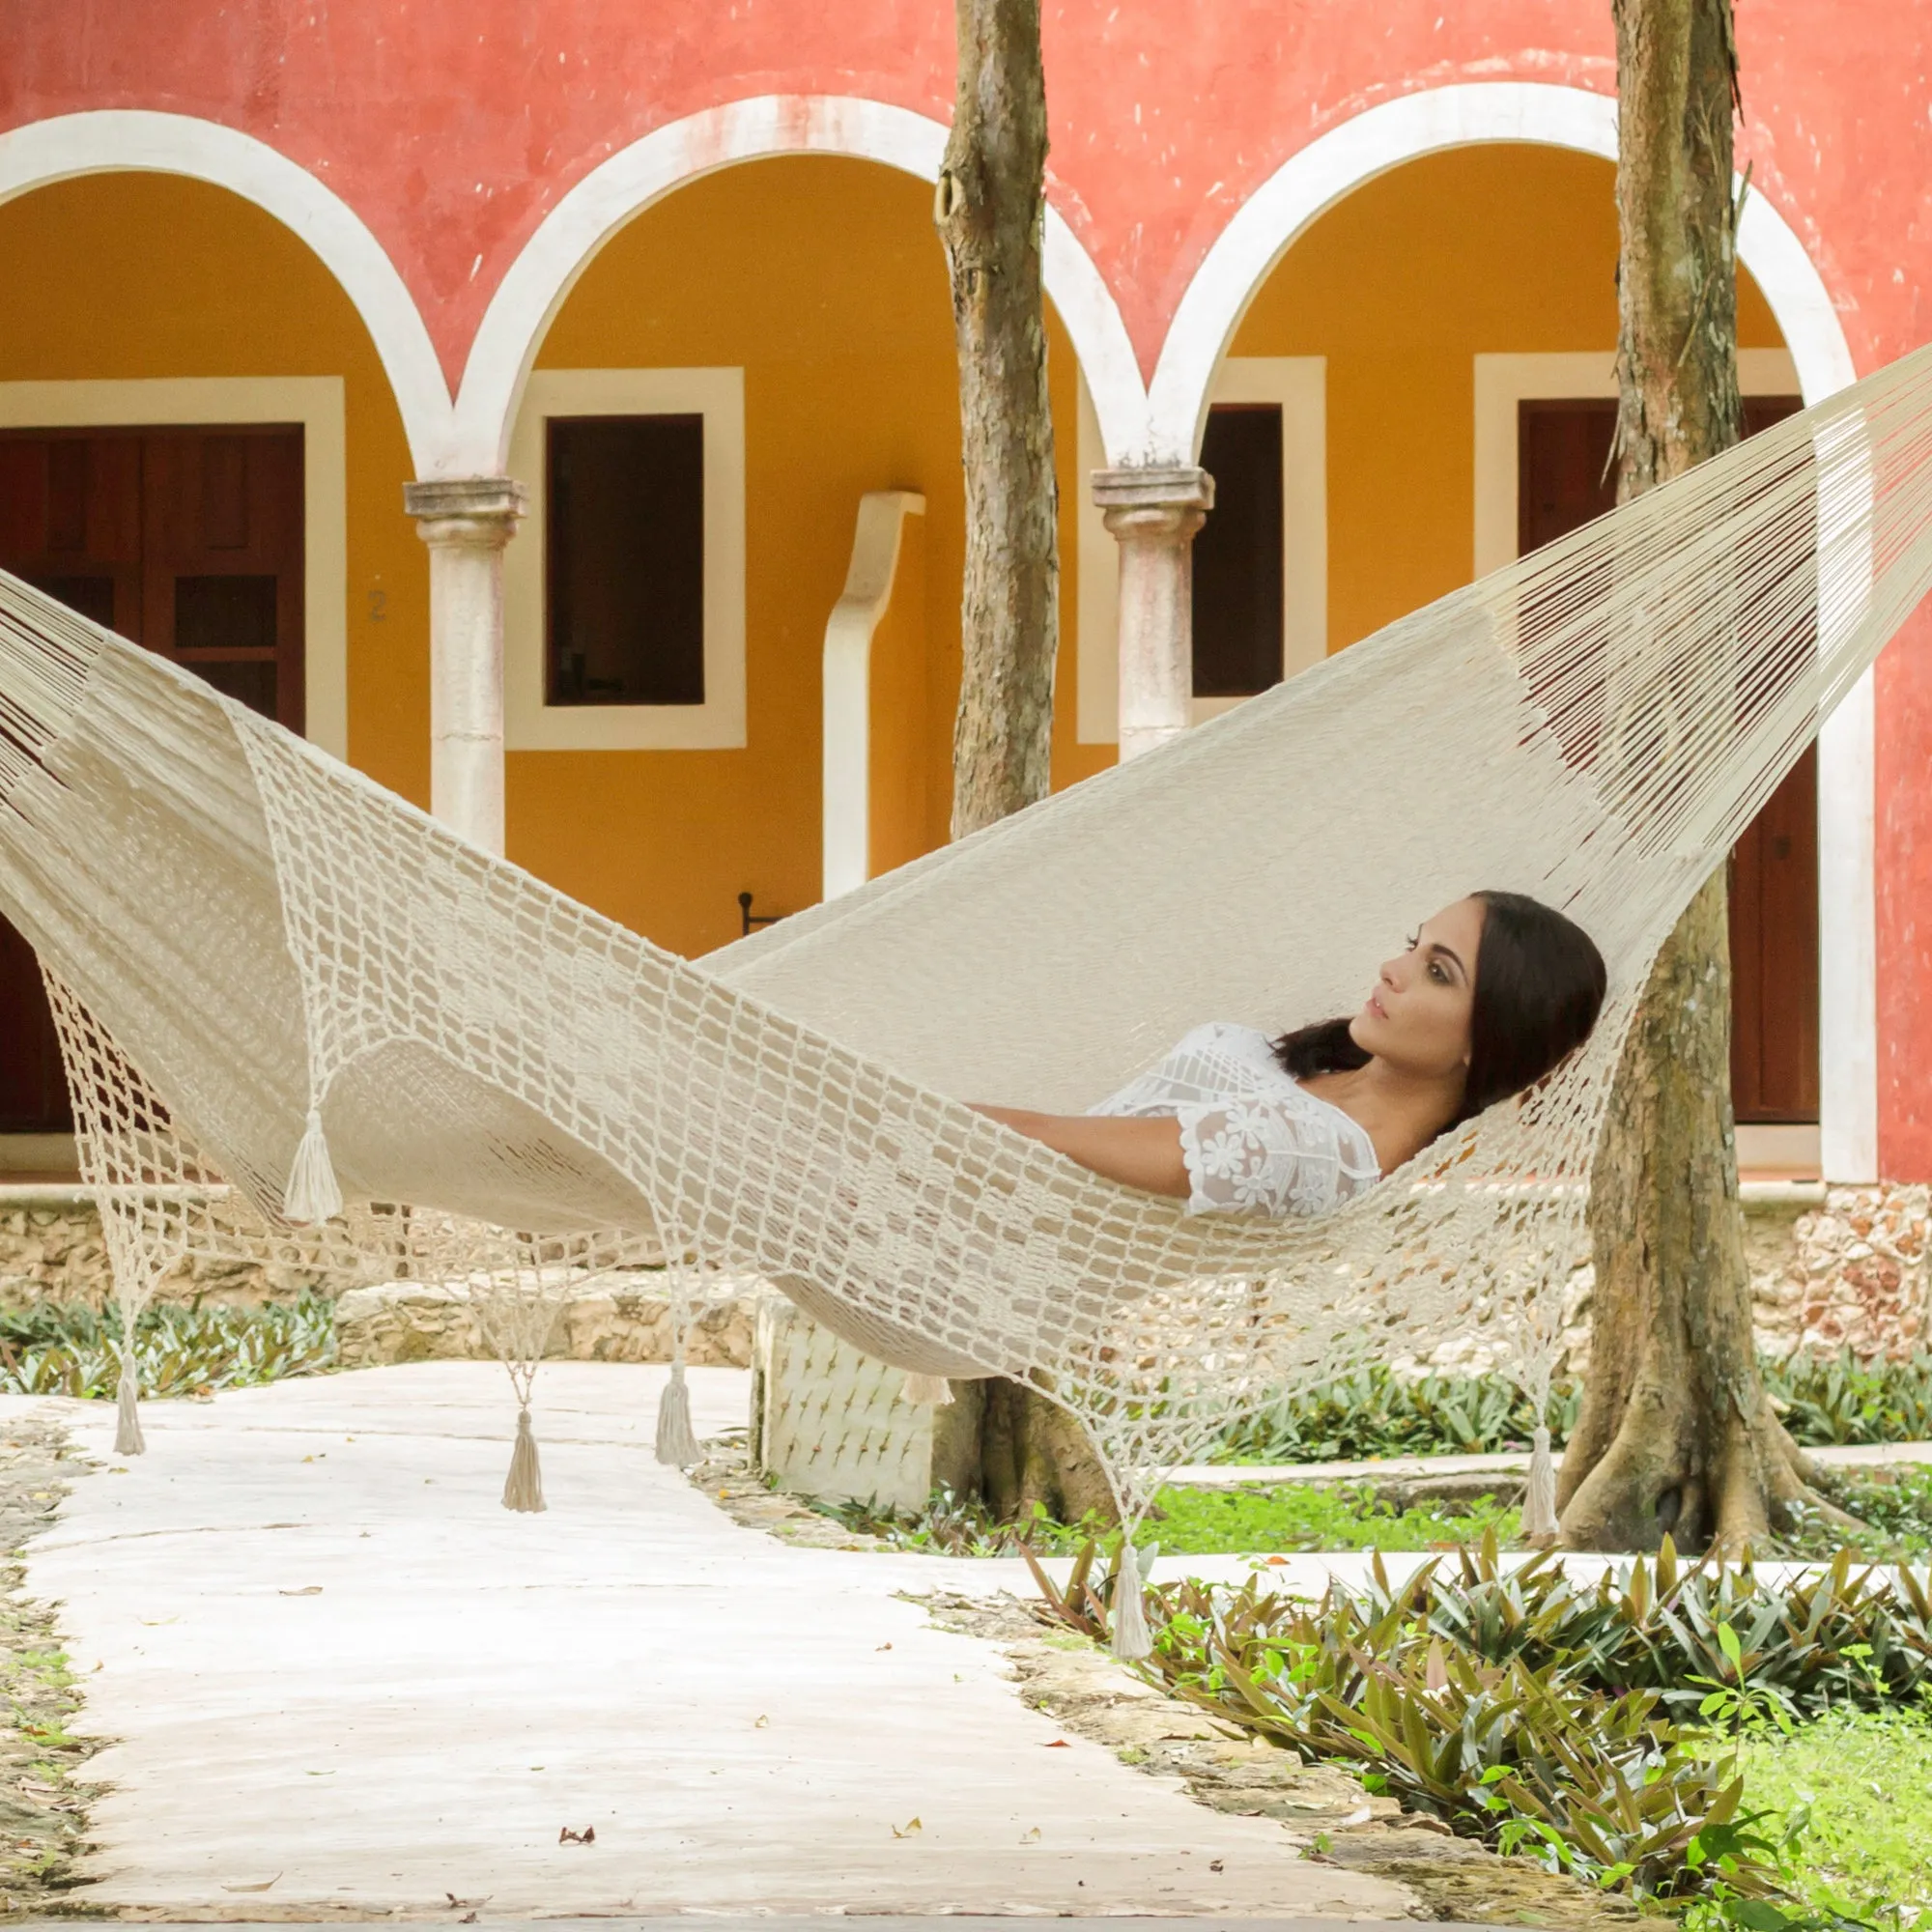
pixel 990 211
pixel 1676 1435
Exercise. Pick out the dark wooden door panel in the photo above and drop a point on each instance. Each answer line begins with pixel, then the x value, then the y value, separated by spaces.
pixel 1564 479
pixel 189 541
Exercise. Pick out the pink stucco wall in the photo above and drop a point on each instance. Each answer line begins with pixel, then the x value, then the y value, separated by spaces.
pixel 452 129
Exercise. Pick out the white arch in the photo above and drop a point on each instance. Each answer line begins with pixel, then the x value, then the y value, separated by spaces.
pixel 117 140
pixel 1383 138
pixel 570 234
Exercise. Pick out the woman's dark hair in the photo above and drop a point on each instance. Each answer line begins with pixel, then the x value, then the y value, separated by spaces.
pixel 1539 989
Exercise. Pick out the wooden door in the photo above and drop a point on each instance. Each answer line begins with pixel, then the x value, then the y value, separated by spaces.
pixel 1563 480
pixel 189 541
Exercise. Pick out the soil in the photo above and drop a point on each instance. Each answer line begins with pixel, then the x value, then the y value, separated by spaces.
pixel 43 1790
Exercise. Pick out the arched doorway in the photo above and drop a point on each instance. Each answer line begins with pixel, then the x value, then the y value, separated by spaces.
pixel 753 353
pixel 199 448
pixel 1461 310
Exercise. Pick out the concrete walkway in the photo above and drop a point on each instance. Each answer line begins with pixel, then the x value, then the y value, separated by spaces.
pixel 342 1679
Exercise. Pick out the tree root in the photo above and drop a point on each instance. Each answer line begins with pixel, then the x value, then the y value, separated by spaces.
pixel 1731 1490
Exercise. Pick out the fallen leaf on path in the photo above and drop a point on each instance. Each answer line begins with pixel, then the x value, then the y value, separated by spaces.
pixel 1030 1837
pixel 457 1904
pixel 586 1837
pixel 1214 1864
pixel 883 1646
pixel 912 1830
pixel 263 1886
pixel 762 1725
pixel 307 1590
pixel 1057 1744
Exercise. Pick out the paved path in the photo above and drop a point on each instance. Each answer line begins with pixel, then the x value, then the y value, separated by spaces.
pixel 342 1677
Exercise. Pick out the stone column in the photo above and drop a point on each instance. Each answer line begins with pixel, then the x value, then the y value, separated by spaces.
pixel 1154 514
pixel 467 521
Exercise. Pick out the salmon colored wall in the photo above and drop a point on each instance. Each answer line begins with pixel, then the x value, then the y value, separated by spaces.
pixel 823 280
pixel 137 275
pixel 1486 251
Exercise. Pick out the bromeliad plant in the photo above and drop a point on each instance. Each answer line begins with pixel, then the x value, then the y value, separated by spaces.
pixel 1563 1720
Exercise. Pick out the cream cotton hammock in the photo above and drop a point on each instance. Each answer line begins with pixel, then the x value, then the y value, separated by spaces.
pixel 303 1022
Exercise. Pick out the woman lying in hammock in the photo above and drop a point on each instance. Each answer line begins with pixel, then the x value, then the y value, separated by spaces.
pixel 1493 993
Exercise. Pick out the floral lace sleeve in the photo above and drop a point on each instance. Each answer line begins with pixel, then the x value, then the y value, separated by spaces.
pixel 1271 1157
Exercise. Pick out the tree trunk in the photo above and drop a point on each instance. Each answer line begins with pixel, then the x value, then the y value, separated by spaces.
pixel 990 211
pixel 1676 1435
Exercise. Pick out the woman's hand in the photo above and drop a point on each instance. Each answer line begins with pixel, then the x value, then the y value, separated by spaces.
pixel 1138 1153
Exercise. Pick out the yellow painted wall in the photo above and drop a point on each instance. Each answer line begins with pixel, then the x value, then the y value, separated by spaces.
pixel 133 276
pixel 821 278
pixel 1492 250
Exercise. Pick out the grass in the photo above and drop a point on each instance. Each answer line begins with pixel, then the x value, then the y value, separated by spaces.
pixel 52 1347
pixel 1242 1522
pixel 1860 1784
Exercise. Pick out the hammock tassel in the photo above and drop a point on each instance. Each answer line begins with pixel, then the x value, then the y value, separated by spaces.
pixel 523 1490
pixel 127 1437
pixel 1539 1496
pixel 934 1391
pixel 678 1444
pixel 312 1196
pixel 1131 1641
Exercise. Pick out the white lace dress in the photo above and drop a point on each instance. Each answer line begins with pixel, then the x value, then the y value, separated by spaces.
pixel 1252 1136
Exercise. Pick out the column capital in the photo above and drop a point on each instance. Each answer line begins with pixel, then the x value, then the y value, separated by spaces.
pixel 483 510
pixel 1158 487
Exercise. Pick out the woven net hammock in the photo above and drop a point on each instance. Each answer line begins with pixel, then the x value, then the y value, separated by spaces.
pixel 304 1023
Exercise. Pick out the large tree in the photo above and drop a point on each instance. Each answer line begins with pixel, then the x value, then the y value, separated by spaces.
pixel 990 211
pixel 1676 1435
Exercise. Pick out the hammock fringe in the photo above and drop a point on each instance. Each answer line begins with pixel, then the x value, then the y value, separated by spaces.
pixel 313 1195
pixel 1131 1640
pixel 522 1490
pixel 1539 1523
pixel 678 1443
pixel 127 1437
pixel 931 1391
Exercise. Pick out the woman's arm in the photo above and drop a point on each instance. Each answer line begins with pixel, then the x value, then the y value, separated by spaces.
pixel 1142 1153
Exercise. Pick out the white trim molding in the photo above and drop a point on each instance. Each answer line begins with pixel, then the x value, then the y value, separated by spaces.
pixel 1300 384
pixel 134 140
pixel 570 236
pixel 316 401
pixel 529 725
pixel 1428 122
pixel 845 781
pixel 1502 381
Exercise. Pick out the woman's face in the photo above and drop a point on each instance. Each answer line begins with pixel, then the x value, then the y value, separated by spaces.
pixel 1417 1017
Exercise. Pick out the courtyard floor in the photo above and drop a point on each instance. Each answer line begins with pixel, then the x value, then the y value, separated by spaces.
pixel 340 1680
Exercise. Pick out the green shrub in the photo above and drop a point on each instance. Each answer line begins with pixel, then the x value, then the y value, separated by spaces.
pixel 68 1348
pixel 1374 1411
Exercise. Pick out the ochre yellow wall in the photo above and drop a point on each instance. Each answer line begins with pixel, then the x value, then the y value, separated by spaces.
pixel 823 280
pixel 113 276
pixel 1492 250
